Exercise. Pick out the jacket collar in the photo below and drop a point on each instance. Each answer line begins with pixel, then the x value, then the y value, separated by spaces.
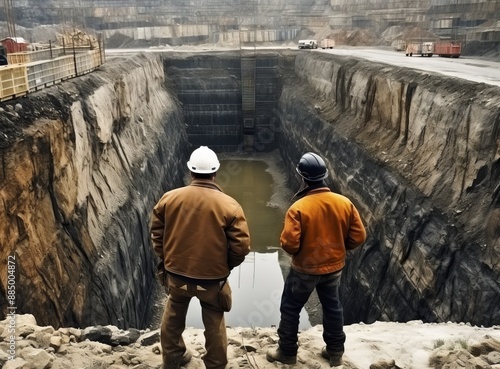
pixel 316 188
pixel 207 183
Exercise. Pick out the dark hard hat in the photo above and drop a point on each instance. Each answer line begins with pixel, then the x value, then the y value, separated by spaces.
pixel 311 167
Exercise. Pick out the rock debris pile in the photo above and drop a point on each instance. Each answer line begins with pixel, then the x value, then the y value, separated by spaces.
pixel 107 347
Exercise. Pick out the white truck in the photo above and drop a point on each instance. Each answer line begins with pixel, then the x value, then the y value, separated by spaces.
pixel 420 48
pixel 308 44
pixel 327 43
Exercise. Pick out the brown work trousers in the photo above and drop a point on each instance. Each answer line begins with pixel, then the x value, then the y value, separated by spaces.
pixel 174 322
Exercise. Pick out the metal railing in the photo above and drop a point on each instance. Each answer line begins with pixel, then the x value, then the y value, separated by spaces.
pixel 19 79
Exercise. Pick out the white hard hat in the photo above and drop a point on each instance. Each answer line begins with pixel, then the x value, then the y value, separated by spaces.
pixel 203 160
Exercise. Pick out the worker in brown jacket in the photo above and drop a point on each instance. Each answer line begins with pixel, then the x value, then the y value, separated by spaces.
pixel 319 227
pixel 200 234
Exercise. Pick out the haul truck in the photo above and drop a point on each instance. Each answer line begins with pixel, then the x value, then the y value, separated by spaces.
pixel 450 49
pixel 308 44
pixel 327 43
pixel 420 48
pixel 399 45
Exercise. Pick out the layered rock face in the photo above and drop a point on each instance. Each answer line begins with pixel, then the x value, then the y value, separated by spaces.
pixel 419 155
pixel 83 163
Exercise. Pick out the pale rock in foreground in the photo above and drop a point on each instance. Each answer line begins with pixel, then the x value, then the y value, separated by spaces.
pixel 381 345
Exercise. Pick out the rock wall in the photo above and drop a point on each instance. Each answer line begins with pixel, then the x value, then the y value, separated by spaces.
pixel 419 155
pixel 83 163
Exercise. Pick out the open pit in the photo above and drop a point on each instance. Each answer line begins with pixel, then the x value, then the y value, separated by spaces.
pixel 83 163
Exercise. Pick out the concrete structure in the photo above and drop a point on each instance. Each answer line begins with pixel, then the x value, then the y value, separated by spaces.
pixel 220 93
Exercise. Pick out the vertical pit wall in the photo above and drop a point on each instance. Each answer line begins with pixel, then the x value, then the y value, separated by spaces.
pixel 83 163
pixel 419 155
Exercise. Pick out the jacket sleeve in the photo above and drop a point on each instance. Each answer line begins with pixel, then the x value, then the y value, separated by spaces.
pixel 158 228
pixel 238 238
pixel 356 234
pixel 290 236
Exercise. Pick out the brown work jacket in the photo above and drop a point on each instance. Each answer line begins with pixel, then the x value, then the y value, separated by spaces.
pixel 318 229
pixel 199 232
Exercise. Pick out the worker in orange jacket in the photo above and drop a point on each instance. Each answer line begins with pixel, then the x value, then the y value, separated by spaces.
pixel 319 227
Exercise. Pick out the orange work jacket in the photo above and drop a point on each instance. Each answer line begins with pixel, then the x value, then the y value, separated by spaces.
pixel 318 230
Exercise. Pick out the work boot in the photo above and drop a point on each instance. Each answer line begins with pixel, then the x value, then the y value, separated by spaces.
pixel 276 355
pixel 335 358
pixel 177 361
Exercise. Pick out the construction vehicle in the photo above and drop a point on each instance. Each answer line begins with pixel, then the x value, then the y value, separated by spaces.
pixel 399 45
pixel 420 48
pixel 327 43
pixel 448 49
pixel 413 48
pixel 308 44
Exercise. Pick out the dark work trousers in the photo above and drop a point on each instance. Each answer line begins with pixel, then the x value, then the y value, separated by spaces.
pixel 174 322
pixel 298 287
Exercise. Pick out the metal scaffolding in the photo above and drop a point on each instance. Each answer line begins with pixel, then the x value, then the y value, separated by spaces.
pixel 9 15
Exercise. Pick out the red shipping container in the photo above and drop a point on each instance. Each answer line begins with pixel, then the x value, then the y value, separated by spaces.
pixel 14 44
